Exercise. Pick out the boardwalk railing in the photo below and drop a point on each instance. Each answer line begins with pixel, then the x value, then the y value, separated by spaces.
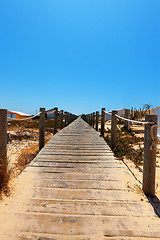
pixel 64 120
pixel 150 141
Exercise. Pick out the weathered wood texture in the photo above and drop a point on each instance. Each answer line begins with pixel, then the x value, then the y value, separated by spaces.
pixel 75 189
pixel 127 115
pixel 3 141
pixel 97 120
pixel 102 121
pixel 61 119
pixel 113 129
pixel 93 119
pixel 149 164
pixel 41 128
pixel 55 120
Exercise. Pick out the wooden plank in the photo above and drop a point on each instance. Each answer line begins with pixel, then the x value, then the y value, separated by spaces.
pixel 79 184
pixel 76 189
pixel 88 208
pixel 83 225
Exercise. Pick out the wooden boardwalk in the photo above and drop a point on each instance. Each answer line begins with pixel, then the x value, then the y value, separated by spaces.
pixel 75 189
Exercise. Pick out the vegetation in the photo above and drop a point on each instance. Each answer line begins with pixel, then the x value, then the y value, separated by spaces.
pixel 147 107
pixel 139 114
pixel 4 177
pixel 26 156
pixel 49 124
pixel 124 147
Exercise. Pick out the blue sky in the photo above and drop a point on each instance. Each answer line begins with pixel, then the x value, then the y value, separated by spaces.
pixel 79 55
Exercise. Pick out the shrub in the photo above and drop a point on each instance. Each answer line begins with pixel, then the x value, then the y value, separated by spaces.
pixel 4 177
pixel 26 156
pixel 124 146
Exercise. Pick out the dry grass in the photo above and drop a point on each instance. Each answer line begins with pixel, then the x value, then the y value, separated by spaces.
pixel 19 131
pixel 125 147
pixel 4 177
pixel 33 124
pixel 7 174
pixel 26 156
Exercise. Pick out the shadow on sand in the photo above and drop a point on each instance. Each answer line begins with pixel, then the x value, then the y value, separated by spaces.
pixel 155 202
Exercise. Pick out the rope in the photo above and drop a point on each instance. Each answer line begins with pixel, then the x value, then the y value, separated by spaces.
pixel 155 140
pixel 108 113
pixel 152 135
pixel 129 120
pixel 23 119
pixel 134 121
pixel 50 112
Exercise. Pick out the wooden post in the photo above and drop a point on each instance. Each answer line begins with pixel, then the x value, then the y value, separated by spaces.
pixel 113 129
pixel 133 112
pixel 55 120
pixel 102 121
pixel 65 123
pixel 41 128
pixel 97 120
pixel 149 164
pixel 87 118
pixel 70 117
pixel 67 115
pixel 127 115
pixel 61 119
pixel 90 119
pixel 3 140
pixel 93 119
